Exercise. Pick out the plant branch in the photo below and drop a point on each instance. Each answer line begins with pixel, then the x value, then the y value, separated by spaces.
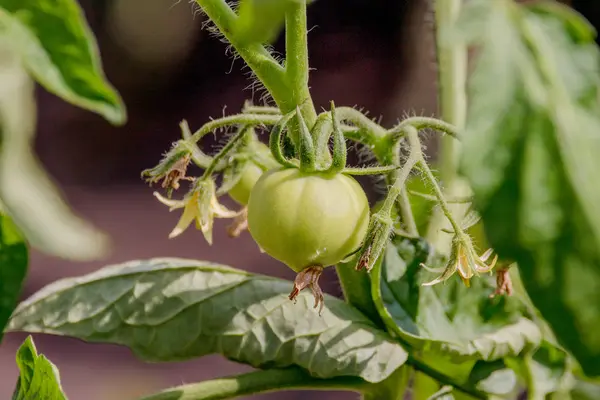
pixel 445 380
pixel 424 167
pixel 257 382
pixel 258 58
pixel 225 151
pixel 237 119
pixel 406 213
pixel 452 59
pixel 426 123
pixel 296 63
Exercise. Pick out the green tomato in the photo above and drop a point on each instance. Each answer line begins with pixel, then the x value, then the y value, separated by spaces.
pixel 307 220
pixel 240 192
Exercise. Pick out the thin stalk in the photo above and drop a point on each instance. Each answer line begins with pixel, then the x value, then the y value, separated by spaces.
pixel 257 382
pixel 452 59
pixel 444 206
pixel 237 119
pixel 296 63
pixel 403 203
pixel 249 109
pixel 360 120
pixel 445 380
pixel 220 156
pixel 406 213
pixel 426 123
pixel 263 64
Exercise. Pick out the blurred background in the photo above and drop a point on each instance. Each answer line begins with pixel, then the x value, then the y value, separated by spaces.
pixel 378 55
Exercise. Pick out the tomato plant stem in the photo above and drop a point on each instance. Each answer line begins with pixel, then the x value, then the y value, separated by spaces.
pixel 264 381
pixel 452 76
pixel 296 62
pixel 236 119
pixel 266 68
pixel 220 156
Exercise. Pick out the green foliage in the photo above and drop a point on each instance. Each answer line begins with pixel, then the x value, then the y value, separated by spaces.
pixel 38 378
pixel 13 268
pixel 58 48
pixel 453 320
pixel 27 194
pixel 175 309
pixel 530 152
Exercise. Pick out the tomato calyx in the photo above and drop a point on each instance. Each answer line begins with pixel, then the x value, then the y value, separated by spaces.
pixel 309 277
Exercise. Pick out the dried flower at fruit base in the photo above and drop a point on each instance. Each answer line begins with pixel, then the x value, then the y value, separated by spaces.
pixel 239 224
pixel 309 277
pixel 171 169
pixel 464 260
pixel 503 283
pixel 200 204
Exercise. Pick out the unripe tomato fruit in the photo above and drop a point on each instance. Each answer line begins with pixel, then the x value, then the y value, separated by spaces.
pixel 240 192
pixel 304 219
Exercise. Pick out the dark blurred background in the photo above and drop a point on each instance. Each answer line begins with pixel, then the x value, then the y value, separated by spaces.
pixel 375 54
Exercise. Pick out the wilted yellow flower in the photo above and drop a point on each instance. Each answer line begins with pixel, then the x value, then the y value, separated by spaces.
pixel 200 204
pixel 464 260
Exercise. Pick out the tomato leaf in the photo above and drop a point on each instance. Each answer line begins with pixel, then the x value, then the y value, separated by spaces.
pixel 27 194
pixel 449 324
pixel 58 48
pixel 530 153
pixel 172 309
pixel 38 377
pixel 13 268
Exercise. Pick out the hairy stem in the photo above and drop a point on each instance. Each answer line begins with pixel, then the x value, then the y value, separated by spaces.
pixel 452 59
pixel 225 151
pixel 444 206
pixel 296 62
pixel 258 58
pixel 237 119
pixel 406 213
pixel 257 382
pixel 426 123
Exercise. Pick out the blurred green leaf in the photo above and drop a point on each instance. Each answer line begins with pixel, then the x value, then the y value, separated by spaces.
pixel 59 49
pixel 531 154
pixel 585 390
pixel 175 309
pixel 27 194
pixel 38 377
pixel 13 268
pixel 451 326
pixel 261 20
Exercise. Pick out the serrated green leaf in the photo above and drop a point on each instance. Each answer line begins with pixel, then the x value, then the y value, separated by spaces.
pixel 27 194
pixel 13 268
pixel 463 321
pixel 171 309
pixel 59 49
pixel 38 377
pixel 530 152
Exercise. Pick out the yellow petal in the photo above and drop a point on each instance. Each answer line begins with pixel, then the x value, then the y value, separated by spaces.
pixel 172 204
pixel 189 214
pixel 482 267
pixel 220 211
pixel 433 270
pixel 484 257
